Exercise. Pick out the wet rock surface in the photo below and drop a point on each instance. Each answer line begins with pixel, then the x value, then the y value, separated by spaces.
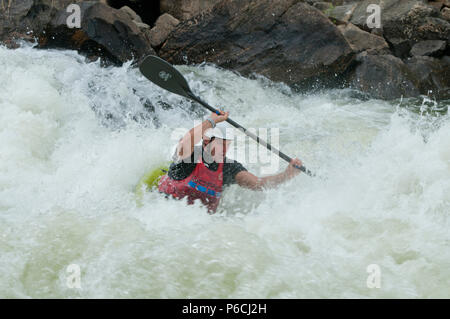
pixel 306 44
pixel 384 76
pixel 286 41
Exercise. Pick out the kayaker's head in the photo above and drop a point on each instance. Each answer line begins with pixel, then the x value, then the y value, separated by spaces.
pixel 217 141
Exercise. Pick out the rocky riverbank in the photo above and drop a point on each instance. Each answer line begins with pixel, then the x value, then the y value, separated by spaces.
pixel 306 44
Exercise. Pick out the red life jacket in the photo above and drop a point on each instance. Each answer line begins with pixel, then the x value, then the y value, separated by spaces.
pixel 203 184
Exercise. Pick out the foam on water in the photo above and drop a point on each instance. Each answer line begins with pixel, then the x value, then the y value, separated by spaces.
pixel 75 138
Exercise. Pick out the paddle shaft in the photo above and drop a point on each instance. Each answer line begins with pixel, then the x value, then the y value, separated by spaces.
pixel 167 77
pixel 250 134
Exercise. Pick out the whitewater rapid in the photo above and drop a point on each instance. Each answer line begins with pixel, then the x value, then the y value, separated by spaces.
pixel 75 138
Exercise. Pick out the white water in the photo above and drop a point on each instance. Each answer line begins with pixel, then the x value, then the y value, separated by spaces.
pixel 67 174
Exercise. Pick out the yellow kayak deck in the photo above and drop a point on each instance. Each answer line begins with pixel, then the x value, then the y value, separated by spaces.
pixel 149 181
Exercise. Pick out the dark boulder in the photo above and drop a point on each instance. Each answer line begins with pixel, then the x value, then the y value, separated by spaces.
pixel 105 33
pixel 420 22
pixel 383 77
pixel 400 47
pixel 391 11
pixel 428 28
pixel 404 23
pixel 186 9
pixel 433 75
pixel 285 40
pixel 428 48
pixel 26 19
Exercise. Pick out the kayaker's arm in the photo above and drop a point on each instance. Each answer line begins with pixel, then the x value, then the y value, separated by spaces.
pixel 248 180
pixel 186 144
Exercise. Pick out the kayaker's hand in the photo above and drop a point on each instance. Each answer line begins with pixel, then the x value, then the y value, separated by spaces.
pixel 219 118
pixel 291 170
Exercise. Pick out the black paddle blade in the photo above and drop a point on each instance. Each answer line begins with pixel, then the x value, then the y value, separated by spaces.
pixel 164 75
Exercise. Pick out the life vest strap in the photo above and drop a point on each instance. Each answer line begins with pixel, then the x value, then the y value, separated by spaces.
pixel 203 189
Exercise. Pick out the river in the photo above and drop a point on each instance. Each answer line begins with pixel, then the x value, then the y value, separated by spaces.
pixel 75 138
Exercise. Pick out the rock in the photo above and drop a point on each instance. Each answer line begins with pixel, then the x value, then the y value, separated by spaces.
pixel 333 2
pixel 105 32
pixel 433 75
pixel 445 13
pixel 430 28
pixel 141 25
pixel 133 15
pixel 164 25
pixel 391 10
pixel 341 14
pixel 405 19
pixel 383 77
pixel 323 6
pixel 377 31
pixel 142 11
pixel 400 47
pixel 420 23
pixel 290 41
pixel 186 9
pixel 437 4
pixel 428 48
pixel 404 23
pixel 361 40
pixel 27 18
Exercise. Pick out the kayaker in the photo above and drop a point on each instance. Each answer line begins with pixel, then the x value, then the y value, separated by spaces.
pixel 200 172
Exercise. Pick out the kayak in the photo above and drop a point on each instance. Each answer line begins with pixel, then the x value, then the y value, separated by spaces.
pixel 149 181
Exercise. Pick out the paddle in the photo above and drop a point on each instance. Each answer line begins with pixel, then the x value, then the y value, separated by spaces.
pixel 167 77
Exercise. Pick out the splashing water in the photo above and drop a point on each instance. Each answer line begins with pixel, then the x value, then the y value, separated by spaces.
pixel 75 138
